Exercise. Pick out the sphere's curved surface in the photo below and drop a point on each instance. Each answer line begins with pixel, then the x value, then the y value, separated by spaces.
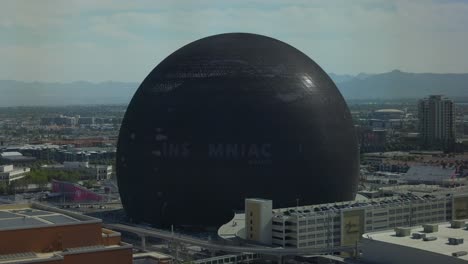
pixel 229 117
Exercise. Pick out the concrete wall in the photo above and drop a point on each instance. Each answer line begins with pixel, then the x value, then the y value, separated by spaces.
pixel 258 218
pixel 6 168
pixel 50 238
pixel 110 237
pixel 114 256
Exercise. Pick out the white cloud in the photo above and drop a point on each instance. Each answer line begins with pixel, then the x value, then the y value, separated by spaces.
pixel 123 40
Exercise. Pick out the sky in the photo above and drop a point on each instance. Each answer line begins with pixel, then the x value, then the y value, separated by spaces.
pixel 123 40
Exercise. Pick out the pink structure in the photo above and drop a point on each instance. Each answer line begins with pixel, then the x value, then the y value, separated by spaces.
pixel 74 192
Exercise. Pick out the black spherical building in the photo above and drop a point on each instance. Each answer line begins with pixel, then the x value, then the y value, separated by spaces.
pixel 229 117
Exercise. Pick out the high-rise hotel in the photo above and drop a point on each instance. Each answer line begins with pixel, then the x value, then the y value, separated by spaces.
pixel 436 121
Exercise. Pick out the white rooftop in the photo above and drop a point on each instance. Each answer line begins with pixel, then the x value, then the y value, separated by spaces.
pixel 234 228
pixel 439 246
pixel 389 111
pixel 10 154
pixel 25 216
pixel 429 173
pixel 261 200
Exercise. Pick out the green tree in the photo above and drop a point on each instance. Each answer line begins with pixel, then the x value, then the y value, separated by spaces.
pixel 3 187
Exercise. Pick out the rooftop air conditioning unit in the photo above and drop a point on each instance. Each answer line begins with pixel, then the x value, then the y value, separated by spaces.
pixel 455 241
pixel 457 224
pixel 402 231
pixel 418 235
pixel 459 253
pixel 431 228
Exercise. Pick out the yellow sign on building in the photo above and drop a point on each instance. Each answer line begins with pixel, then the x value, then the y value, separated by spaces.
pixel 352 227
pixel 460 208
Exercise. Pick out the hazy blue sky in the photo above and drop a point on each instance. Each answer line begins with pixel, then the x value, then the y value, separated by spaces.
pixel 100 40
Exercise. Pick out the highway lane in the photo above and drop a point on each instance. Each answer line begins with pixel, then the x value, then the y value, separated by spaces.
pixel 162 234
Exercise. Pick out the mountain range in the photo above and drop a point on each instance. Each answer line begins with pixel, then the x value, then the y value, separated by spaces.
pixel 397 85
pixel 385 86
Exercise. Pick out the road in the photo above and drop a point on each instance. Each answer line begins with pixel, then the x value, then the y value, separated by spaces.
pixel 162 234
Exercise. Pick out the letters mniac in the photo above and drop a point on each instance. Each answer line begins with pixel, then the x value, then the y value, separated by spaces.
pixel 219 150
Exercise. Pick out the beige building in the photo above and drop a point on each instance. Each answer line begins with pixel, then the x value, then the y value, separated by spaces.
pixel 92 171
pixel 258 213
pixel 344 223
pixel 9 173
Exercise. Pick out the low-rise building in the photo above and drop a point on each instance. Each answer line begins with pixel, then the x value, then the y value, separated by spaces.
pixel 92 171
pixel 9 173
pixel 343 223
pixel 71 192
pixel 431 175
pixel 152 258
pixel 35 233
pixel 14 157
pixel 60 120
pixel 444 244
pixel 61 151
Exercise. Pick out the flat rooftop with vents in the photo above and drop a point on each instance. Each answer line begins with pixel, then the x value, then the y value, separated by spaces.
pixel 28 217
pixel 437 243
pixel 37 233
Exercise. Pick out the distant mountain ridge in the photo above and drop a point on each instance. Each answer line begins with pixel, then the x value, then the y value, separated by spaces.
pixel 19 93
pixel 391 85
pixel 397 84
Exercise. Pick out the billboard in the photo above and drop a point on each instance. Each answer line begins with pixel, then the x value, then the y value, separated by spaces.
pixel 352 227
pixel 74 192
pixel 460 207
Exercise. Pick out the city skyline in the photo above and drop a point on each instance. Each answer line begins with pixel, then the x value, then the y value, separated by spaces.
pixel 122 41
pixel 234 132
